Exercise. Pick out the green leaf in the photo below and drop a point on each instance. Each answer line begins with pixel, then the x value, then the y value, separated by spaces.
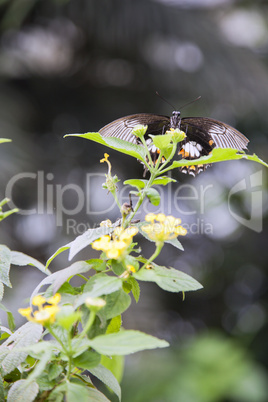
pixel 87 360
pixel 138 183
pixel 122 146
pixel 5 260
pixel 87 238
pixel 218 155
pixel 114 325
pixel 135 287
pixel 21 259
pixel 105 375
pixel 115 364
pixel 54 370
pixel 168 279
pixel 23 391
pixel 163 142
pixel 116 304
pixel 77 392
pixel 163 181
pixel 176 243
pixel 26 335
pixel 4 140
pixel 126 342
pixel 97 264
pixel 154 196
pixel 60 250
pixel 11 321
pixel 117 267
pixel 99 285
pixel 66 317
pixel 59 277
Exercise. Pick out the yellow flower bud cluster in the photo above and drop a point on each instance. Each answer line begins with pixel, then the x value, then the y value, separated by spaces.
pixel 162 228
pixel 46 312
pixel 116 247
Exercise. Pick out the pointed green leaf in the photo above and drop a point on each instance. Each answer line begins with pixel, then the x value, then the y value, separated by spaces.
pixel 154 196
pixel 115 325
pixel 116 304
pixel 60 250
pixel 126 342
pixel 21 259
pixel 115 143
pixel 168 279
pixel 138 183
pixel 4 140
pixel 59 277
pixel 135 287
pixel 87 360
pixel 115 364
pixel 218 155
pixel 87 238
pixel 163 181
pixel 105 375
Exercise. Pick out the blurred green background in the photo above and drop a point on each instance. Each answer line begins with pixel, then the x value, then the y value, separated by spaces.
pixel 72 66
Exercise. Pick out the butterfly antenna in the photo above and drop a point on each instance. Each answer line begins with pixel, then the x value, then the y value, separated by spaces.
pixel 161 97
pixel 189 103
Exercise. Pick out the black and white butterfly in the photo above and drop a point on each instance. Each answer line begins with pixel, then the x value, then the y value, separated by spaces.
pixel 202 135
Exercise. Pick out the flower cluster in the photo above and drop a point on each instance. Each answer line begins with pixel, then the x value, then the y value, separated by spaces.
pixel 162 228
pixel 46 312
pixel 116 247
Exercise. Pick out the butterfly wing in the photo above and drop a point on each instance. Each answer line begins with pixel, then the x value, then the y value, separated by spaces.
pixel 202 135
pixel 122 128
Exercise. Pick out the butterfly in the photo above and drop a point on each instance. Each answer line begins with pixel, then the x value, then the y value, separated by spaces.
pixel 202 135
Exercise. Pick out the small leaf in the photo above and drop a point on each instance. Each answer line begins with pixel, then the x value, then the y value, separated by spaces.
pixel 5 260
pixel 135 287
pixel 115 325
pixel 23 391
pixel 105 375
pixel 168 279
pixel 163 181
pixel 2 140
pixel 138 183
pixel 97 264
pixel 66 317
pixel 154 196
pixel 126 342
pixel 116 304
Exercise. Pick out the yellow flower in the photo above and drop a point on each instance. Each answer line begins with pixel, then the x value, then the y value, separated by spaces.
pixel 106 224
pixel 131 268
pixel 38 300
pixel 47 310
pixel 162 228
pixel 105 159
pixel 116 248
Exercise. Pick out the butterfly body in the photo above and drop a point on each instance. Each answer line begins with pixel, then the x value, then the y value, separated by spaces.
pixel 202 134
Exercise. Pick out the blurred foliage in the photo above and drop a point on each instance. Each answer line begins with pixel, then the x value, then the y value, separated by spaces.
pixel 73 66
